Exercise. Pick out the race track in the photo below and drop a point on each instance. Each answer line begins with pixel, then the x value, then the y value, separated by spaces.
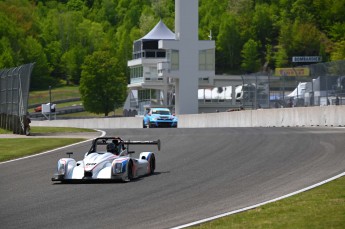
pixel 200 173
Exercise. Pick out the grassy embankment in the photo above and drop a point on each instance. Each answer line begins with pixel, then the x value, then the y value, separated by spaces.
pixel 11 148
pixel 321 207
pixel 63 93
pixel 60 93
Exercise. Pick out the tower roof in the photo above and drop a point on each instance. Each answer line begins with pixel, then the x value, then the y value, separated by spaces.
pixel 159 32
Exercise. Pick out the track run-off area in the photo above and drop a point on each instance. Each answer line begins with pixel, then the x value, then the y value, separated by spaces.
pixel 200 173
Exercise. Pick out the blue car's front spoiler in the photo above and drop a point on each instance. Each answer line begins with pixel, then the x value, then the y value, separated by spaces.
pixel 163 124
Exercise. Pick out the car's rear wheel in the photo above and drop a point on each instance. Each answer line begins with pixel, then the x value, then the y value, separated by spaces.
pixel 152 164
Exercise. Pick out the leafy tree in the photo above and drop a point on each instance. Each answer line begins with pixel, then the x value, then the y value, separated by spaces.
pixel 34 52
pixel 337 31
pixel 250 55
pixel 69 61
pixel 306 39
pixel 229 43
pixel 54 53
pixel 6 54
pixel 211 17
pixel 304 10
pixel 102 86
pixel 339 51
pixel 162 8
pixel 76 5
pixel 263 27
pixel 66 31
pixel 147 22
pixel 281 57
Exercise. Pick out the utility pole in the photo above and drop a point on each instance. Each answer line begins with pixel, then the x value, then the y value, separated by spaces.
pixel 50 102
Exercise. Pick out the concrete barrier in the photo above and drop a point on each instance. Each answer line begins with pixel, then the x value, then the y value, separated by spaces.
pixel 94 123
pixel 282 117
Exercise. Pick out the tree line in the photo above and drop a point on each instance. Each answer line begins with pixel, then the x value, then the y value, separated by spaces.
pixel 251 35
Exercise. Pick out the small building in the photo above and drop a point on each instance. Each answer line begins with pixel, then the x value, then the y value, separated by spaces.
pixel 147 87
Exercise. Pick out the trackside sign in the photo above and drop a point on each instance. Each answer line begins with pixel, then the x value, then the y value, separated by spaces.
pixel 306 59
pixel 292 72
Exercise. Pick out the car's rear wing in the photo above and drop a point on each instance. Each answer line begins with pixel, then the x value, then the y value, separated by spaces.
pixel 106 140
pixel 129 142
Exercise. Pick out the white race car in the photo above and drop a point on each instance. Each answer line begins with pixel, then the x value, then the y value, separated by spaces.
pixel 109 158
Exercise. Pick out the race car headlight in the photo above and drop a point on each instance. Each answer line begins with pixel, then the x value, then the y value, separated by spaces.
pixel 118 168
pixel 61 168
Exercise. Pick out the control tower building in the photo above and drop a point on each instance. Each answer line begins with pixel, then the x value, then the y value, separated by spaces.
pixel 167 67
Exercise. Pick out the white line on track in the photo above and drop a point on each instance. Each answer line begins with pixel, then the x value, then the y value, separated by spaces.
pixel 50 151
pixel 258 205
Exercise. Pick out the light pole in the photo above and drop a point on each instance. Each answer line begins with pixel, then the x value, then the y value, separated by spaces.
pixel 50 102
pixel 243 97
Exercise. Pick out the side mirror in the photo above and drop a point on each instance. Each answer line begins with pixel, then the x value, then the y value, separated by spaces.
pixel 69 154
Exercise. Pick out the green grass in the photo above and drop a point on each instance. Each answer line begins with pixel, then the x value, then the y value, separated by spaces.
pixel 83 114
pixel 3 131
pixel 322 207
pixel 60 93
pixel 44 129
pixel 11 148
pixel 60 105
pixel 117 112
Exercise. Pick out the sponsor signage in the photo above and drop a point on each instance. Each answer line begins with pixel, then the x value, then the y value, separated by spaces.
pixel 292 71
pixel 306 59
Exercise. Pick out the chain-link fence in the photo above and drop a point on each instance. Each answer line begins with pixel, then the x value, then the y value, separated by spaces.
pixel 254 91
pixel 311 85
pixel 14 94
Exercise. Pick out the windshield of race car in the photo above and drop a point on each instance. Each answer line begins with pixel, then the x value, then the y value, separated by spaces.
pixel 161 112
pixel 100 145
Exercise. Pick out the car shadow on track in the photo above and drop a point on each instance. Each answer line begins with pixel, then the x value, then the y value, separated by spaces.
pixel 105 181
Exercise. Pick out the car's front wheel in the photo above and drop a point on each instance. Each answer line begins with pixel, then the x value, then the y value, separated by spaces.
pixel 130 170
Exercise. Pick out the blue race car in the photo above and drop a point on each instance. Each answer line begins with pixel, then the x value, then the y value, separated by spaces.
pixel 159 117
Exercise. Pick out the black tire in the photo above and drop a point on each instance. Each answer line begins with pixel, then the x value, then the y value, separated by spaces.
pixel 130 170
pixel 152 164
pixel 144 126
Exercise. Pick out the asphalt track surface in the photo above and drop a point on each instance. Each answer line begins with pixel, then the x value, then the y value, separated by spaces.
pixel 200 173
